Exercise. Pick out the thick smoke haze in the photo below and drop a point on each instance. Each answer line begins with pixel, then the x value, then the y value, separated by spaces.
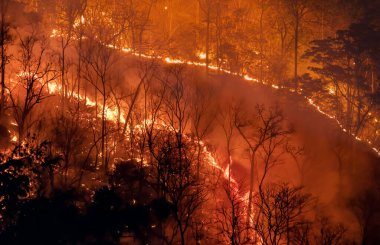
pixel 189 122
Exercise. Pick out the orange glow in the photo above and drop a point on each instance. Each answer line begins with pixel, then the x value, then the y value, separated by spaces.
pixel 112 114
pixel 202 56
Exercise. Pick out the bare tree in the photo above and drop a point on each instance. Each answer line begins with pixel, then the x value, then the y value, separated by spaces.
pixel 177 103
pixel 99 61
pixel 146 73
pixel 70 137
pixel 280 211
pixel 5 39
pixel 329 234
pixel 263 128
pixel 227 123
pixel 263 6
pixel 138 16
pixel 207 7
pixel 202 117
pixel 118 97
pixel 171 151
pixel 70 16
pixel 35 73
pixel 365 208
pixel 231 215
pixel 79 49
pixel 298 10
pixel 296 152
pixel 179 184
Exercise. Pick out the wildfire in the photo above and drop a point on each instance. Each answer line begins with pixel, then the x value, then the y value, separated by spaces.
pixel 209 158
pixel 113 115
pixel 246 77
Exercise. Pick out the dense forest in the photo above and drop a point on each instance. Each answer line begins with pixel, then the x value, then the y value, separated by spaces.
pixel 189 122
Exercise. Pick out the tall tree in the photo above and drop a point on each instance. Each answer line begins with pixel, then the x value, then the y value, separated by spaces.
pixel 208 7
pixel 280 210
pixel 264 126
pixel 69 17
pixel 348 62
pixel 99 61
pixel 5 39
pixel 298 10
pixel 36 71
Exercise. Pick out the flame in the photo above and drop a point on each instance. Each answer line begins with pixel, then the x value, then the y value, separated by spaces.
pixel 111 114
pixel 331 91
pixel 14 138
pixel 174 61
pixel 202 55
pixel 54 33
pixel 246 77
pixel 26 75
pixel 210 159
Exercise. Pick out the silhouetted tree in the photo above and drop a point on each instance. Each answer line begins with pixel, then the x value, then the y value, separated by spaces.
pixel 347 61
pixel 329 234
pixel 366 211
pixel 35 73
pixel 5 39
pixel 25 173
pixel 280 212
pixel 264 130
pixel 231 216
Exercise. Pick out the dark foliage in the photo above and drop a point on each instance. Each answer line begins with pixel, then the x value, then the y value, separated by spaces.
pixel 63 217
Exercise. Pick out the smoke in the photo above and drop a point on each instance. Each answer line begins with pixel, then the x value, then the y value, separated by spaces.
pixel 333 167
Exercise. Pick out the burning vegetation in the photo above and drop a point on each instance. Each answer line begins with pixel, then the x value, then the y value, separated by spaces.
pixel 189 122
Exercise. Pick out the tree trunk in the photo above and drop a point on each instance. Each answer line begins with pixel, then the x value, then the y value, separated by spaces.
pixel 208 40
pixel 251 186
pixel 261 41
pixel 3 63
pixel 63 75
pixel 296 32
pixel 349 109
pixel 104 150
pixel 79 74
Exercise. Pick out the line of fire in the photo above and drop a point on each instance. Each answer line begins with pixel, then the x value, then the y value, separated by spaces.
pixel 190 122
